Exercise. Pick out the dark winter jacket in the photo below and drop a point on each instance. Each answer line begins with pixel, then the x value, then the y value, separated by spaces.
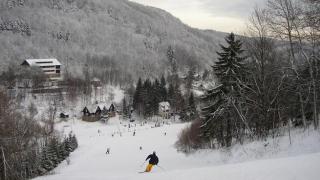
pixel 153 159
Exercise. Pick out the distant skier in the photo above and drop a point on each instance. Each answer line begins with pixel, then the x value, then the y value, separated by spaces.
pixel 134 133
pixel 108 151
pixel 154 160
pixel 140 148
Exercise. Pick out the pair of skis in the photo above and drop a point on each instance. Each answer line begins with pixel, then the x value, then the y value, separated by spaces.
pixel 147 172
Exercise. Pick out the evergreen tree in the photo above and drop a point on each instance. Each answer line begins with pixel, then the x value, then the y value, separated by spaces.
pixel 219 114
pixel 191 101
pixel 74 142
pixel 171 94
pixel 53 152
pixel 156 96
pixel 137 97
pixel 189 113
pixel 179 101
pixel 173 78
pixel 46 163
pixel 163 89
pixel 147 98
pixel 190 79
pixel 175 98
pixel 205 74
pixel 63 153
pixel 125 110
pixel 230 68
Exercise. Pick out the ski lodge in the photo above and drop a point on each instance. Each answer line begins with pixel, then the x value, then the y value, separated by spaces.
pixel 50 67
pixel 91 114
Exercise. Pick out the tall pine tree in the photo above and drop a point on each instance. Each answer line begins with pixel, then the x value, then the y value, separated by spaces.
pixel 137 97
pixel 125 110
pixel 230 67
pixel 218 115
pixel 163 89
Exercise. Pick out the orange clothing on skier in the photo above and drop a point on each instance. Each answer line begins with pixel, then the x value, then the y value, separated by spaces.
pixel 154 160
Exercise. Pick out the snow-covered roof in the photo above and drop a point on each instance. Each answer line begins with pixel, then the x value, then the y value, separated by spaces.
pixel 93 107
pixel 164 105
pixel 95 79
pixel 42 62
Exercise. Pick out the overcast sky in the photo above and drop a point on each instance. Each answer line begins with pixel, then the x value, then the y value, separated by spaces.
pixel 221 15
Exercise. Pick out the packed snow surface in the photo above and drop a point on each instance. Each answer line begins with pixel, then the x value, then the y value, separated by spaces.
pixel 269 159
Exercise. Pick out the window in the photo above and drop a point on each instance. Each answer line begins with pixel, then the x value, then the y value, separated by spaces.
pixel 49 71
pixel 47 66
pixel 44 62
pixel 58 71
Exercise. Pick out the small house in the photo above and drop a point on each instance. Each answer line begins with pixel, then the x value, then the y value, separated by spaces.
pixel 96 82
pixel 63 115
pixel 164 110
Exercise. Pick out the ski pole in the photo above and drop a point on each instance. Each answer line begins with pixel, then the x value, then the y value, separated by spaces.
pixel 142 163
pixel 161 167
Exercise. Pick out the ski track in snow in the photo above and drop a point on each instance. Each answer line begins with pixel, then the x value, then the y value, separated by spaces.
pixel 90 161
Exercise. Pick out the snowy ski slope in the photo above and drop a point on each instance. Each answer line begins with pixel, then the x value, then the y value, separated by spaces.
pixel 125 160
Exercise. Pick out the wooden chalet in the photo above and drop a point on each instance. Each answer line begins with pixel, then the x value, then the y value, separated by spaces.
pixel 112 110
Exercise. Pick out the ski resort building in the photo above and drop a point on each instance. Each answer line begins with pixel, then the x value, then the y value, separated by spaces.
pixel 112 110
pixel 94 113
pixel 164 110
pixel 50 67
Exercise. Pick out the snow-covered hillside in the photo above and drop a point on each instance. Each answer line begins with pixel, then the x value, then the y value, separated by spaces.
pixel 125 160
pixel 122 34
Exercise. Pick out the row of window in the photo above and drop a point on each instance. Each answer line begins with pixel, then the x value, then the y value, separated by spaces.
pixel 57 67
pixel 44 62
pixel 56 71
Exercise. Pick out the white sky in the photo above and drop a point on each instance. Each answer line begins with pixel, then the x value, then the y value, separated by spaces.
pixel 221 15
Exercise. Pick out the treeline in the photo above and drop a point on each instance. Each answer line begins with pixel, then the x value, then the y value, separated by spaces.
pixel 267 82
pixel 52 155
pixel 31 77
pixel 27 148
pixel 149 94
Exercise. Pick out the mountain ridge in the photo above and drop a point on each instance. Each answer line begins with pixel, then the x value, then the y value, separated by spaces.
pixel 123 33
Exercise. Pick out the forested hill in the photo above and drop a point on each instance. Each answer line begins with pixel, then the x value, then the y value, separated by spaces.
pixel 105 34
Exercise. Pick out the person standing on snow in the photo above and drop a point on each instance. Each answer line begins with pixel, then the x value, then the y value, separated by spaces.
pixel 154 160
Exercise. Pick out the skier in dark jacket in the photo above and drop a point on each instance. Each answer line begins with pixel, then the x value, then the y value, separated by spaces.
pixel 154 160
